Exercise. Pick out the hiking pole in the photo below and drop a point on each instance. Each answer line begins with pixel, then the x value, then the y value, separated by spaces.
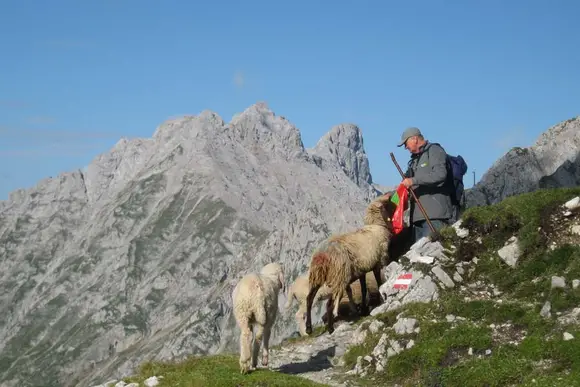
pixel 414 196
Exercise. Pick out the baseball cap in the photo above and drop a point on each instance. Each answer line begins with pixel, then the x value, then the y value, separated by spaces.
pixel 409 132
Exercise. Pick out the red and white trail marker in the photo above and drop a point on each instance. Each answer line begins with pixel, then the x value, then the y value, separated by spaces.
pixel 403 281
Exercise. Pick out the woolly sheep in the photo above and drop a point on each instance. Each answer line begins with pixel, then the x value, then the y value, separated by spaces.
pixel 299 289
pixel 349 256
pixel 255 305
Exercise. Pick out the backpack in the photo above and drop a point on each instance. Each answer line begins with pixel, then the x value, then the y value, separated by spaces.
pixel 456 168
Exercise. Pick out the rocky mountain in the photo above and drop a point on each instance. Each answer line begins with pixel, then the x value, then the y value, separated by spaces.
pixel 552 161
pixel 135 257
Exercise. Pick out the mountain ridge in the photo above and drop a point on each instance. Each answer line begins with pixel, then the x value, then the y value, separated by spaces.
pixel 134 256
pixel 552 161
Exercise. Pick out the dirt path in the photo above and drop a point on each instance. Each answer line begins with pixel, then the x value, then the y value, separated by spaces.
pixel 313 358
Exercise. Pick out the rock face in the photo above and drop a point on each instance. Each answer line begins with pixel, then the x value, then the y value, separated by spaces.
pixel 136 257
pixel 343 145
pixel 553 161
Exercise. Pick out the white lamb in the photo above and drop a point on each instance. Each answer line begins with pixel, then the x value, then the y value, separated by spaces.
pixel 255 305
pixel 299 290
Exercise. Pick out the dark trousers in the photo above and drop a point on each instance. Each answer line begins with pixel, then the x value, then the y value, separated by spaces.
pixel 421 228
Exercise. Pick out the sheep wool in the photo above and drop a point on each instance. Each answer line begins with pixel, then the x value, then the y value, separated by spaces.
pixel 255 307
pixel 349 256
pixel 299 290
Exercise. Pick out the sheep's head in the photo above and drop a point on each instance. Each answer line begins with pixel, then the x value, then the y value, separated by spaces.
pixel 274 271
pixel 380 211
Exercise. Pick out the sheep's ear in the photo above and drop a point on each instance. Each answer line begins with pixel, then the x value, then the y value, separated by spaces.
pixel 282 283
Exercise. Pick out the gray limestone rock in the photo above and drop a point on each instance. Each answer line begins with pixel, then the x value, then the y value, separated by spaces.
pixel 573 204
pixel 442 276
pixel 421 288
pixel 343 145
pixel 552 161
pixel 405 325
pixel 135 257
pixel 558 282
pixel 545 311
pixel 511 252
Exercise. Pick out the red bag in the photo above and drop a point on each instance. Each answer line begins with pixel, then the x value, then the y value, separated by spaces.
pixel 400 198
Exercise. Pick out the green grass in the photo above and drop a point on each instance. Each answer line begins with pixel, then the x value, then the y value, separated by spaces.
pixel 215 371
pixel 440 354
pixel 522 214
pixel 542 358
pixel 527 217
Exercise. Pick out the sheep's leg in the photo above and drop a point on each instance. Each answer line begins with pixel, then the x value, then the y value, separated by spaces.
pixel 309 301
pixel 245 343
pixel 351 304
pixel 364 308
pixel 266 345
pixel 336 299
pixel 257 343
pixel 300 316
pixel 377 273
pixel 330 315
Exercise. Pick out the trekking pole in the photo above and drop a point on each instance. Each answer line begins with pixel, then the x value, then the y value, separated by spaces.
pixel 414 196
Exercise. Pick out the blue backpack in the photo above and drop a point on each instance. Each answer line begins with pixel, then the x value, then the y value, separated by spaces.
pixel 458 168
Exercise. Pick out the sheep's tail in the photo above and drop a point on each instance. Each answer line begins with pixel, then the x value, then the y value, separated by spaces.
pixel 319 268
pixel 331 266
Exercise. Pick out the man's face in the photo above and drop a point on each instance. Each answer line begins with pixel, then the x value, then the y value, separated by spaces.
pixel 412 144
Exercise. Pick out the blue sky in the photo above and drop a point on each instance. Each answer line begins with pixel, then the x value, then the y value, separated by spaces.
pixel 476 76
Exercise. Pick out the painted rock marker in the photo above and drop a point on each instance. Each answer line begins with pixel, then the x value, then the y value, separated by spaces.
pixel 403 281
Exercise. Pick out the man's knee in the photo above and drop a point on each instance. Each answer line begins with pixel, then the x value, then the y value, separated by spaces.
pixel 421 229
pixel 438 224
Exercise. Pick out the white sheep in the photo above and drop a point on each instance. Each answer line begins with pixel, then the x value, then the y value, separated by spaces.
pixel 299 290
pixel 349 256
pixel 255 305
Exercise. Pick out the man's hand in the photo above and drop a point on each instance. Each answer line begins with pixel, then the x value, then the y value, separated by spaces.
pixel 407 182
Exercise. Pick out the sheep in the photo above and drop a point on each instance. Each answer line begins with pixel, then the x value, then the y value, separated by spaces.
pixel 348 257
pixel 255 305
pixel 299 290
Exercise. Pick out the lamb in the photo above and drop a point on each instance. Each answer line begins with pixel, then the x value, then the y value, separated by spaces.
pixel 348 257
pixel 299 289
pixel 255 305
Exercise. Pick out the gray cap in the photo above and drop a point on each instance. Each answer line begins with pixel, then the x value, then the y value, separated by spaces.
pixel 409 132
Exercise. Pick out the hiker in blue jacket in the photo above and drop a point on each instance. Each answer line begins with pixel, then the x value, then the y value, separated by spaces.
pixel 430 174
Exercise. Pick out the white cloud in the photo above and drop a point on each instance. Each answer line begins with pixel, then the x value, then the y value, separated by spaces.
pixel 239 79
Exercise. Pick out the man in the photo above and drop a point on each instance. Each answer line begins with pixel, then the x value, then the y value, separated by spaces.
pixel 427 174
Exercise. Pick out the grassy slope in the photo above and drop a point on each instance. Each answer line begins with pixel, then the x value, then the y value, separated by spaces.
pixel 542 358
pixel 215 371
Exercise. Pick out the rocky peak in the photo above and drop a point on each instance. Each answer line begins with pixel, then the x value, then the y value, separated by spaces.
pixel 259 127
pixel 552 161
pixel 343 145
